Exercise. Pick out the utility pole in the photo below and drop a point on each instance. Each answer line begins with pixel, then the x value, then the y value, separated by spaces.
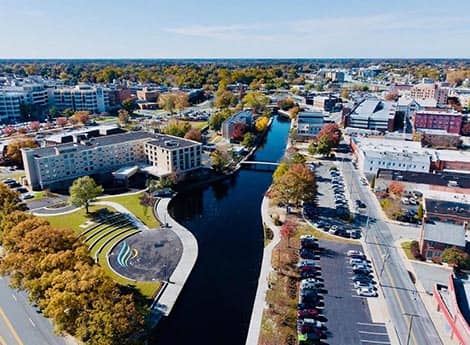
pixel 412 316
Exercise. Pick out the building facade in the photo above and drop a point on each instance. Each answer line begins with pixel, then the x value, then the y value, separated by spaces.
pixel 372 114
pixel 450 122
pixel 244 117
pixel 430 90
pixel 309 123
pixel 50 167
pixel 82 97
pixel 13 98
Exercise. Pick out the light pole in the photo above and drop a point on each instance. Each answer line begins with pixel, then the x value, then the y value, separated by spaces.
pixel 412 316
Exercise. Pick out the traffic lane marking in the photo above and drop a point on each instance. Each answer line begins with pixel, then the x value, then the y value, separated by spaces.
pixel 10 327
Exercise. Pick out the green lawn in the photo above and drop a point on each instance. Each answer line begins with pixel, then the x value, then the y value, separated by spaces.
pixel 310 230
pixel 406 248
pixel 197 124
pixel 132 203
pixel 75 219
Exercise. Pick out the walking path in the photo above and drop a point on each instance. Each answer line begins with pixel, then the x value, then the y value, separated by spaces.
pixel 266 267
pixel 166 300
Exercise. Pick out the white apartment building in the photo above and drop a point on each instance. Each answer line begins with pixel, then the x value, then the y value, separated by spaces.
pixel 82 97
pixel 309 123
pixel 54 166
pixel 432 90
pixel 11 99
pixel 372 154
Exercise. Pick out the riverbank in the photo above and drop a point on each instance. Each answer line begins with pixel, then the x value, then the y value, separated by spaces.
pixel 166 299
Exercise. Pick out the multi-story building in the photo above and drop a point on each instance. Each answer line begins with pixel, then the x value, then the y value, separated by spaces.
pixel 325 103
pixel 309 123
pixel 372 114
pixel 13 98
pixel 148 94
pixel 437 236
pixel 335 76
pixel 430 90
pixel 244 117
pixel 373 154
pixel 450 122
pixel 55 166
pixel 82 97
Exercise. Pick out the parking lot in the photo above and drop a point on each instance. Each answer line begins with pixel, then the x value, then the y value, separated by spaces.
pixel 349 319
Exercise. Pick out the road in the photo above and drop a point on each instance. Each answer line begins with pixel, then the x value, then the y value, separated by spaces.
pixel 20 324
pixel 403 300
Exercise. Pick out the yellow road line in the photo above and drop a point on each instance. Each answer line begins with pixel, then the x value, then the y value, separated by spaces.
pixel 10 327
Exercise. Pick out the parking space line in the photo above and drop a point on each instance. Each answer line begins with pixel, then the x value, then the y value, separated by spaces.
pixel 370 324
pixel 373 333
pixel 373 341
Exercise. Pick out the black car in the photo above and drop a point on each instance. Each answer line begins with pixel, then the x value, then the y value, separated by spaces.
pixel 361 271
pixel 362 278
pixel 306 253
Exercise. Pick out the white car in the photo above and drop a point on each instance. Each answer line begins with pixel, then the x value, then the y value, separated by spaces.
pixel 361 267
pixel 26 196
pixel 359 284
pixel 354 253
pixel 366 292
pixel 310 283
pixel 355 261
pixel 306 262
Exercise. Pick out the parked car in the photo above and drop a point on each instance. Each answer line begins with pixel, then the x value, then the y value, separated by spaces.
pixel 362 278
pixel 405 201
pixel 309 283
pixel 306 253
pixel 308 313
pixel 26 196
pixel 306 262
pixel 366 292
pixel 357 261
pixel 363 284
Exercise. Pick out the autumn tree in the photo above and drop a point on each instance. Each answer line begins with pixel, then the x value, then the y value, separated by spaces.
pixel 219 160
pixel 296 185
pixel 286 103
pixel 216 119
pixel 261 123
pixel 288 230
pixel 280 171
pixel 173 101
pixel 333 132
pixel 396 188
pixel 293 112
pixel 224 99
pixel 83 191
pixel 344 93
pixel 194 134
pixel 61 121
pixel 15 146
pixel 34 126
pixel 81 116
pixel 8 130
pixel 255 101
pixel 123 116
pixel 177 128
pixel 239 130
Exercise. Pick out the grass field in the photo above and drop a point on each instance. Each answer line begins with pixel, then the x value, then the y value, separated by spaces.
pixel 132 203
pixel 75 219
pixel 197 124
pixel 406 248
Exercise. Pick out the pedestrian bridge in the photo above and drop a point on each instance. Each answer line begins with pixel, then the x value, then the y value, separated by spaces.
pixel 260 166
pixel 260 163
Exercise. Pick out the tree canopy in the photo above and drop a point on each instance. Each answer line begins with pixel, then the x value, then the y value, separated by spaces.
pixel 83 191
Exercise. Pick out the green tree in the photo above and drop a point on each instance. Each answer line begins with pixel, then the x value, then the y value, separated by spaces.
pixel 280 171
pixel 456 257
pixel 248 139
pixel 215 121
pixel 177 128
pixel 297 158
pixel 130 105
pixel 324 145
pixel 123 116
pixel 420 212
pixel 83 191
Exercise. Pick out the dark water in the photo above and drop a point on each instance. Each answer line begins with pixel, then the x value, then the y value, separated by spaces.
pixel 215 305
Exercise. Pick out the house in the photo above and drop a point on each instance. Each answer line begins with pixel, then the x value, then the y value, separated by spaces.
pixel 437 236
pixel 245 117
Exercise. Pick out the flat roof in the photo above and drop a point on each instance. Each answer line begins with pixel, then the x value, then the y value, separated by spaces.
pixel 436 179
pixel 453 155
pixel 445 207
pixel 171 142
pixel 448 233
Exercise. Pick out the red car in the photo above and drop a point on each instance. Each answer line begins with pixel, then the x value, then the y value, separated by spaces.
pixel 307 313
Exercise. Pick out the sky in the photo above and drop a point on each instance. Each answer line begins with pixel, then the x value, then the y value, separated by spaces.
pixel 233 29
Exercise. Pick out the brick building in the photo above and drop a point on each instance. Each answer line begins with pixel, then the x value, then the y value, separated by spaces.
pixel 449 122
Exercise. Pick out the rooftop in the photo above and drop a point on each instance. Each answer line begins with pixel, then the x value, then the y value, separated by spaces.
pixel 448 233
pixel 374 108
pixel 444 207
pixel 452 155
pixel 170 142
pixel 462 294
pixel 437 179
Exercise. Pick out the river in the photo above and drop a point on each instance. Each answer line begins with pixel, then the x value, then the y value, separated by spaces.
pixel 215 305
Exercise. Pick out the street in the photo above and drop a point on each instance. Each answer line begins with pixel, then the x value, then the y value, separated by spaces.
pixel 20 324
pixel 409 316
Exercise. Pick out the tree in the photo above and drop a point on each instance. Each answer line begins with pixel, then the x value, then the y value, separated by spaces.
pixel 391 96
pixel 332 131
pixel 293 112
pixel 255 101
pixel 324 145
pixel 261 123
pixel 67 112
pixel 123 116
pixel 129 104
pixel 177 128
pixel 239 130
pixel 224 99
pixel 296 185
pixel 288 230
pixel 286 103
pixel 53 112
pixel 420 212
pixel 81 116
pixel 219 160
pixel 215 121
pixel 396 188
pixel 248 139
pixel 280 171
pixel 173 101
pixel 8 130
pixel 456 257
pixel 61 121
pixel 15 146
pixel 344 93
pixel 34 126
pixel 297 158
pixel 83 191
pixel 312 149
pixel 194 134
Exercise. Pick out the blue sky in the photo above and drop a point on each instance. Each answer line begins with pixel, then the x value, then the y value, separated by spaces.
pixel 237 28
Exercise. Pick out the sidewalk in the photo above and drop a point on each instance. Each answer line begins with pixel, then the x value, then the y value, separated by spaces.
pixel 266 267
pixel 166 300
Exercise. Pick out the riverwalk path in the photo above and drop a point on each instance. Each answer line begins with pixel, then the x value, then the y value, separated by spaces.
pixel 166 300
pixel 263 283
